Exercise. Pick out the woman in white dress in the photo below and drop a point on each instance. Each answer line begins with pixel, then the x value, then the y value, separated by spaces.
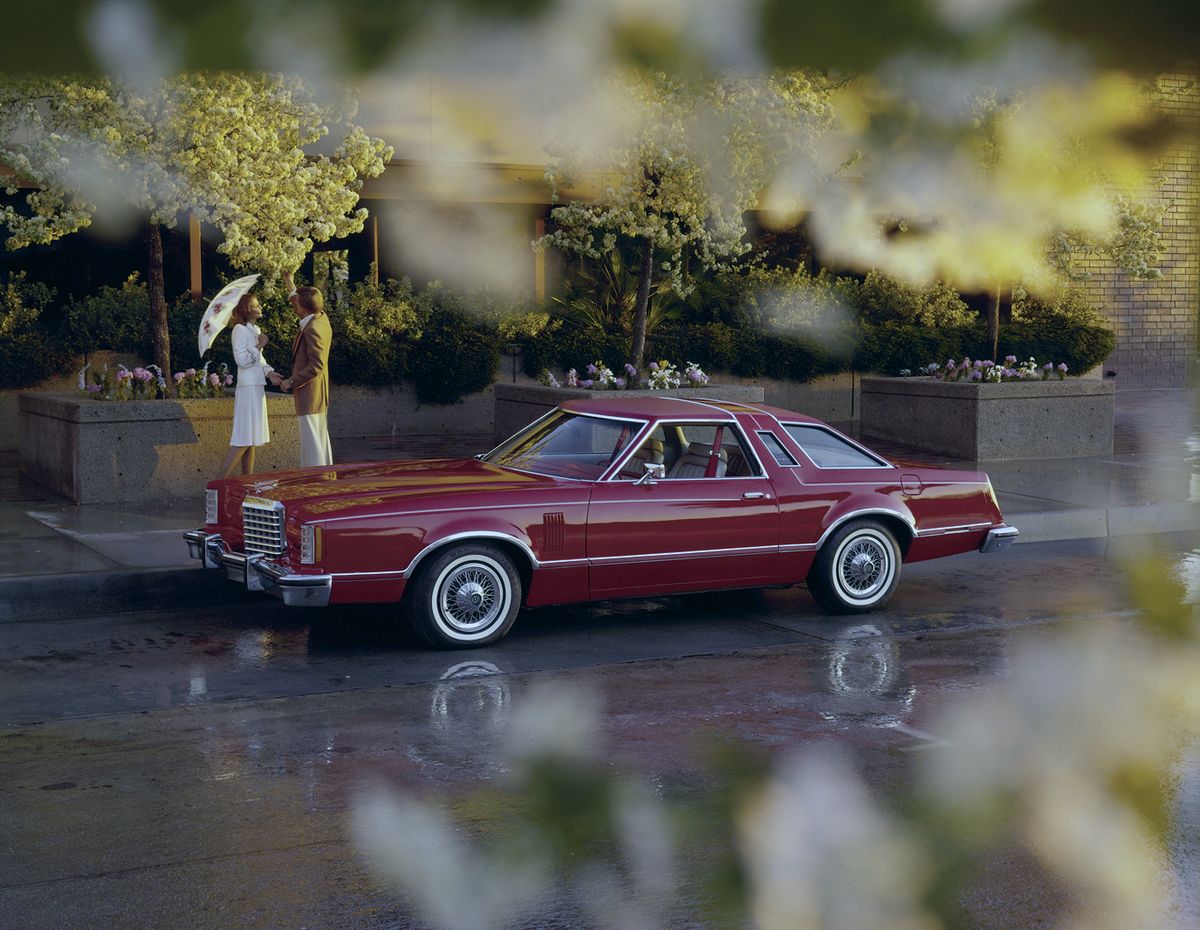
pixel 250 428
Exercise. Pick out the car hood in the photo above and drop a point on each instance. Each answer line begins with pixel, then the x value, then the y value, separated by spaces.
pixel 428 484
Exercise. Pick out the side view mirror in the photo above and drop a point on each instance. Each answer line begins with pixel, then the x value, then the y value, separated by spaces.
pixel 653 474
pixel 478 456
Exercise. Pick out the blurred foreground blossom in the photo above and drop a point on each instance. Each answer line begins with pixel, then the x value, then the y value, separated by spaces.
pixel 821 854
pixel 1073 758
pixel 418 850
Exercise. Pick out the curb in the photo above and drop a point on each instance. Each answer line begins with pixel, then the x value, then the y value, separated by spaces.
pixel 87 594
pixel 1103 522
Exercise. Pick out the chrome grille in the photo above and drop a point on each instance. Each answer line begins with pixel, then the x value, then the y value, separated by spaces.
pixel 262 526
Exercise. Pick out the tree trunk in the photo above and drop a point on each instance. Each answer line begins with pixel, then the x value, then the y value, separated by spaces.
pixel 156 291
pixel 993 322
pixel 642 304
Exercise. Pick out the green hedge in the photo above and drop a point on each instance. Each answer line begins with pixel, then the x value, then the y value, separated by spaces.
pixel 28 351
pixel 745 352
pixel 456 356
pixel 891 347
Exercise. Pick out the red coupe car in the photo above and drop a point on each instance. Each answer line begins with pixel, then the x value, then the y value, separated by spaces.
pixel 601 498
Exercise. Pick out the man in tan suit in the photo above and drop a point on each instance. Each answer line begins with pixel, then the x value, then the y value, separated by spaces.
pixel 309 382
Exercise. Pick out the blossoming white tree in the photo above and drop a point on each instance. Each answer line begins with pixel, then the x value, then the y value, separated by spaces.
pixel 693 161
pixel 232 149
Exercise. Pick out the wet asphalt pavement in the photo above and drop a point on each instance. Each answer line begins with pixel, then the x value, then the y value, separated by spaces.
pixel 196 767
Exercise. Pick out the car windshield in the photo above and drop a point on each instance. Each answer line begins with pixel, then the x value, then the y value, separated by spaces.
pixel 566 445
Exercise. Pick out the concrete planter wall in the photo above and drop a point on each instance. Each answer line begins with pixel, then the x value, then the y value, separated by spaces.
pixel 991 422
pixel 361 411
pixel 517 405
pixel 103 451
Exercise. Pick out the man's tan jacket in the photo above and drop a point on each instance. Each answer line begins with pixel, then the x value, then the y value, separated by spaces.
pixel 310 366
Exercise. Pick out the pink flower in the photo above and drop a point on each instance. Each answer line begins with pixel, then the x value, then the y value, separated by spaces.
pixel 214 380
pixel 654 366
pixel 179 376
pixel 1062 367
pixel 228 380
pixel 191 372
pixel 1010 360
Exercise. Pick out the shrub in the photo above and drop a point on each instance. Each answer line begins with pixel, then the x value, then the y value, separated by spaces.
pixel 28 354
pixel 565 344
pixel 879 299
pixel 374 331
pixel 115 318
pixel 1069 304
pixel 456 355
pixel 891 347
pixel 1081 345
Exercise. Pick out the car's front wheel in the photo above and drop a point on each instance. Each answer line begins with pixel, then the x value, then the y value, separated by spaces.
pixel 465 596
pixel 857 569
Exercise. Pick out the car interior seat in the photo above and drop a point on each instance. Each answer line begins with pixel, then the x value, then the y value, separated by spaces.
pixel 649 451
pixel 694 462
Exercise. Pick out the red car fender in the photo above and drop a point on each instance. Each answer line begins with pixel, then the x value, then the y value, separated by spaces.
pixel 891 513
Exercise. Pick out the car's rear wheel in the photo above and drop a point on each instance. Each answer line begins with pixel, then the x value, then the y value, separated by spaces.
pixel 857 569
pixel 465 596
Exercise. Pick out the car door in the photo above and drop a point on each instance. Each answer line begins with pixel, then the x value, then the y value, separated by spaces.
pixel 700 527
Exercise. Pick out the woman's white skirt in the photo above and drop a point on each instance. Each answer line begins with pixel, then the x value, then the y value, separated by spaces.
pixel 250 416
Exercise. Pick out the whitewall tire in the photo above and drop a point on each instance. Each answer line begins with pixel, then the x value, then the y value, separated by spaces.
pixel 465 596
pixel 857 569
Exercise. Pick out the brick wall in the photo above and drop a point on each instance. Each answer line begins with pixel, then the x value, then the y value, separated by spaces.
pixel 1156 321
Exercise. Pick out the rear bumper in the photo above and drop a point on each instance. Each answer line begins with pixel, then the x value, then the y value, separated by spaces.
pixel 999 538
pixel 258 573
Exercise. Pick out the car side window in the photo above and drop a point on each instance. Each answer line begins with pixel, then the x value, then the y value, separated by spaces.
pixel 778 452
pixel 830 451
pixel 685 450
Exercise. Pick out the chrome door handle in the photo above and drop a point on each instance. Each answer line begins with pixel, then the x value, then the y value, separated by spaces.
pixel 754 495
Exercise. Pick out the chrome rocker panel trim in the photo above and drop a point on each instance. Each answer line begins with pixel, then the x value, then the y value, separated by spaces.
pixel 257 573
pixel 999 538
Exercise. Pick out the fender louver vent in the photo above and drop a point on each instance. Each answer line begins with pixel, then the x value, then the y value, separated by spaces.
pixel 554 532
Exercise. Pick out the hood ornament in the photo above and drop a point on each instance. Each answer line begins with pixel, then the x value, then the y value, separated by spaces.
pixel 261 486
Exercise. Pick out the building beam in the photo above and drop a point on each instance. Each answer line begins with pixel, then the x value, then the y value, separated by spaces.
pixel 195 269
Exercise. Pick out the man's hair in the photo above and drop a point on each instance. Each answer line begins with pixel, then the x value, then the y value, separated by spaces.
pixel 310 299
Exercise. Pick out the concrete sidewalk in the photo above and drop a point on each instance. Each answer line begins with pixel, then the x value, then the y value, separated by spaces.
pixel 60 558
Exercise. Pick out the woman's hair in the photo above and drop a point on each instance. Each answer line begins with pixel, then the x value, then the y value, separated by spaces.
pixel 241 313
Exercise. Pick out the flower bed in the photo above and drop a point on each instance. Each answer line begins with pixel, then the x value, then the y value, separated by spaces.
pixel 980 420
pixel 93 451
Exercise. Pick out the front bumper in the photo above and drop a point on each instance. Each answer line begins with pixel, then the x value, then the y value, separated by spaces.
pixel 999 538
pixel 258 573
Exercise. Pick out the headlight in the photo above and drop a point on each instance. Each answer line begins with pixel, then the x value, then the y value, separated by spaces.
pixel 310 544
pixel 211 500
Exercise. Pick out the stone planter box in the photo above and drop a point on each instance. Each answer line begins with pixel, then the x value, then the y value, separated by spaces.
pixel 103 451
pixel 517 405
pixel 991 422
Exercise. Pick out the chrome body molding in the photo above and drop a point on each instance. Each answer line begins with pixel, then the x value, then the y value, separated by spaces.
pixel 474 534
pixel 680 554
pixel 999 538
pixel 951 530
pixel 258 573
pixel 870 512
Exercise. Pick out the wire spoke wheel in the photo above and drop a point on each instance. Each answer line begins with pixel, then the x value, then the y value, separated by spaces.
pixel 470 597
pixel 857 569
pixel 465 596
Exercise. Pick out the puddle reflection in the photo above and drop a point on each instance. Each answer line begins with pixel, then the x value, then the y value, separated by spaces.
pixel 865 678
